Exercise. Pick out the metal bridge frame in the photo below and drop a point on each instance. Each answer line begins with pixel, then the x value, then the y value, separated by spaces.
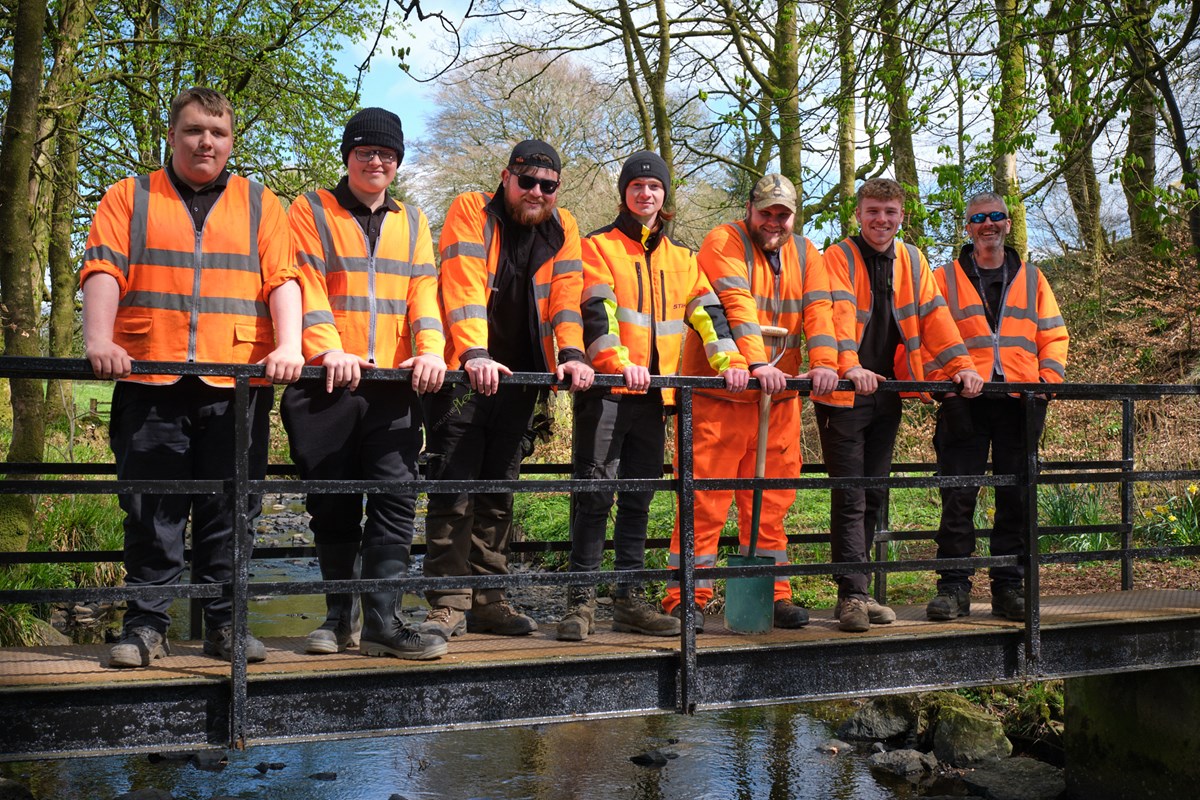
pixel 220 712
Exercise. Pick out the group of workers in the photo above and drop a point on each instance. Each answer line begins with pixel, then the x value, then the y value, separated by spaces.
pixel 193 264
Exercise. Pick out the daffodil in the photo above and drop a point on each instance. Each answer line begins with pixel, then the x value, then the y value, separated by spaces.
pixel 1193 489
pixel 1171 518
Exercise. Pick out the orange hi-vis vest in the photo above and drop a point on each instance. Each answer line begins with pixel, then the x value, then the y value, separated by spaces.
pixel 918 308
pixel 1031 345
pixel 635 300
pixel 799 299
pixel 381 305
pixel 470 252
pixel 188 295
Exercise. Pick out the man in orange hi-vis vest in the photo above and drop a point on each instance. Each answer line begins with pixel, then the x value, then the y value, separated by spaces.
pixel 765 275
pixel 193 264
pixel 901 320
pixel 370 299
pixel 1011 324
pixel 510 285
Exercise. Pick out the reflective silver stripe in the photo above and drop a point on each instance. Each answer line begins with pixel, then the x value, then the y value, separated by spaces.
pixel 314 318
pixel 848 345
pixel 567 315
pixel 456 315
pixel 541 291
pixel 256 196
pixel 817 296
pixel 847 247
pixel 978 342
pixel 746 329
pixel 1050 323
pixel 726 282
pixel 956 307
pixel 937 302
pixel 1019 342
pixel 1054 366
pixel 719 346
pixel 316 262
pixel 468 249
pixel 324 235
pixel 815 341
pixel 706 299
pixel 104 253
pixel 599 291
pixel 139 220
pixel 949 354
pixel 780 556
pixel 414 226
pixel 602 343
pixel 566 266
pixel 1027 313
pixel 354 302
pixel 628 315
pixel 426 324
pixel 841 295
pixel 702 560
pixel 670 327
pixel 426 270
pixel 203 305
pixel 789 305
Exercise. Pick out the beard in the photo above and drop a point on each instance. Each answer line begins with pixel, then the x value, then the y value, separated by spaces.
pixel 523 214
pixel 768 242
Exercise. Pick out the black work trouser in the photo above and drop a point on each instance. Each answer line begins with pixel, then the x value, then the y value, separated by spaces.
pixel 616 436
pixel 966 430
pixel 472 436
pixel 857 442
pixel 371 433
pixel 181 431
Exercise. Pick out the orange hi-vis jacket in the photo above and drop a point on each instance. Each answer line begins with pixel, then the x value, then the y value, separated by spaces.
pixel 188 295
pixel 637 301
pixel 381 306
pixel 1031 345
pixel 927 329
pixel 470 251
pixel 799 299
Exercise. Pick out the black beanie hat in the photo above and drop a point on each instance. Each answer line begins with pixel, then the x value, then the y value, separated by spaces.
pixel 643 164
pixel 373 126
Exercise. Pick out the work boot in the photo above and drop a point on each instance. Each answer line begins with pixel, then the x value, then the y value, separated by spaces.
pixel 632 614
pixel 384 633
pixel 445 622
pixel 852 615
pixel 501 618
pixel 219 643
pixel 580 620
pixel 677 613
pixel 951 602
pixel 138 647
pixel 1009 601
pixel 879 615
pixel 342 627
pixel 789 615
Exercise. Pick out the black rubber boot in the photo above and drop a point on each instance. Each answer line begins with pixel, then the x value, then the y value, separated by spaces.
pixel 342 626
pixel 384 634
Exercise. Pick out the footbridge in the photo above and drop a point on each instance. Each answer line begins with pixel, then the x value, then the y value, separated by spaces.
pixel 59 701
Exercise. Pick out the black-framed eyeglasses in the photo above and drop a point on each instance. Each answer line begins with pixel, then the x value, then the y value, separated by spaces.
pixel 994 216
pixel 527 182
pixel 384 156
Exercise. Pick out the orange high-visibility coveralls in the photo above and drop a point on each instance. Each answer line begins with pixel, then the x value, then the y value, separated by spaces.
pixel 725 429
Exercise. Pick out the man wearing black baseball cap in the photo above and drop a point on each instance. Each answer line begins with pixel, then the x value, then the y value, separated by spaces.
pixel 510 286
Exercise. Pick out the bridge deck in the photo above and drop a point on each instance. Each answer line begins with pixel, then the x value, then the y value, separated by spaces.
pixel 58 700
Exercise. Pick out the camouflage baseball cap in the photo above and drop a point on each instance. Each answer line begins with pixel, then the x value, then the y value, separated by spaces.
pixel 773 190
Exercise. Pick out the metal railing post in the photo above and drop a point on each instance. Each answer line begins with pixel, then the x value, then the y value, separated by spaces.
pixel 1033 640
pixel 687 556
pixel 882 525
pixel 242 544
pixel 1127 431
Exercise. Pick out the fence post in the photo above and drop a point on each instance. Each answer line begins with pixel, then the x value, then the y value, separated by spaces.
pixel 1033 641
pixel 687 555
pixel 239 492
pixel 1127 431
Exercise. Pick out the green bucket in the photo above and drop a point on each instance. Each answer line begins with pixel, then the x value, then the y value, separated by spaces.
pixel 750 602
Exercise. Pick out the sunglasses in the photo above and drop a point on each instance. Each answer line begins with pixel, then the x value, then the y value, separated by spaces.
pixel 994 216
pixel 527 182
pixel 384 156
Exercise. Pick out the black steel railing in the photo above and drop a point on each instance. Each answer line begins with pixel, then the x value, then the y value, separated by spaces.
pixel 43 478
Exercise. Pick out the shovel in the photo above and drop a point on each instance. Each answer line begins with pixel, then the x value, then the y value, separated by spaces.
pixel 750 602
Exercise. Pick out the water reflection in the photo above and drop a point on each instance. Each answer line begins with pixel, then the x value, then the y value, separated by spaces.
pixel 748 753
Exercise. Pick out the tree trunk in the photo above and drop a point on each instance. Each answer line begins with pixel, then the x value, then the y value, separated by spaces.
pixel 847 122
pixel 1009 120
pixel 20 312
pixel 895 80
pixel 785 75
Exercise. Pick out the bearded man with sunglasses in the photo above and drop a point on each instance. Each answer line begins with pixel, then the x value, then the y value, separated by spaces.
pixel 1010 322
pixel 510 286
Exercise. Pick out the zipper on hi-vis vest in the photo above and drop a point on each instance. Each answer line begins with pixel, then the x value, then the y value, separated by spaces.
pixel 197 265
pixel 372 306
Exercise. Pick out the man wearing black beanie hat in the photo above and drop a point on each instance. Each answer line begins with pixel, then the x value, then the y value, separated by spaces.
pixel 510 283
pixel 640 288
pixel 370 299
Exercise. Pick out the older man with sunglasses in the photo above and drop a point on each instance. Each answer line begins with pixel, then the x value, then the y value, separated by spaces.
pixel 1010 322
pixel 510 286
